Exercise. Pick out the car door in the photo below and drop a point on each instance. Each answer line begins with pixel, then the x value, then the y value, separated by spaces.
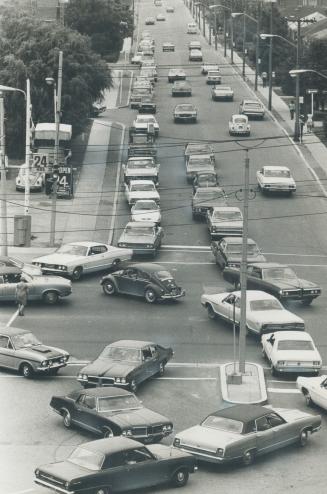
pixel 95 260
pixel 150 357
pixel 143 469
pixel 284 433
pixel 318 393
pixel 264 436
pixel 254 281
pixel 8 286
pixel 7 358
pixel 127 281
pixel 84 413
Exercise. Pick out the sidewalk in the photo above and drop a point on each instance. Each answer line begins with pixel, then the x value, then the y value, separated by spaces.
pixel 251 389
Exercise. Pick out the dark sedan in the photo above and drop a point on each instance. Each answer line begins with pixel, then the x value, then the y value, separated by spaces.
pixel 110 412
pixel 206 198
pixel 228 252
pixel 115 465
pixel 148 280
pixel 277 279
pixel 126 364
pixel 205 179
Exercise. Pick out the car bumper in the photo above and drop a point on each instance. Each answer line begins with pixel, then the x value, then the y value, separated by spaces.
pixel 205 456
pixel 222 233
pixel 143 251
pixel 222 97
pixel 310 369
pixel 169 296
pixel 239 131
pixel 181 93
pixel 185 118
pixel 299 296
pixel 33 188
pixel 278 188
pixel 211 81
pixel 254 115
pixel 201 211
pixel 50 367
pixel 53 487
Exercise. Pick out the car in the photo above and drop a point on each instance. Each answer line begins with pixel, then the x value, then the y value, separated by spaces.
pixel 40 288
pixel 142 145
pixel 146 210
pixel 146 35
pixel 148 63
pixel 136 59
pixel 16 262
pixel 213 77
pixel 128 363
pixel 150 73
pixel 147 55
pixel 194 45
pixel 21 350
pixel 176 75
pixel 147 105
pixel 146 45
pixel 35 179
pixel 192 28
pixel 277 279
pixel 142 122
pixel 170 9
pixel 264 313
pixel 205 179
pixel 225 221
pixel 197 163
pixel 161 17
pixel 198 148
pixel 98 107
pixel 110 412
pixel 78 258
pixel 141 189
pixel 185 113
pixel 228 252
pixel 119 464
pixel 141 168
pixel 239 125
pixel 158 3
pixel 206 198
pixel 181 88
pixel 219 93
pixel 195 56
pixel 168 46
pixel 243 432
pixel 275 179
pixel 314 390
pixel 252 108
pixel 149 21
pixel 143 237
pixel 206 67
pixel 290 352
pixel 138 95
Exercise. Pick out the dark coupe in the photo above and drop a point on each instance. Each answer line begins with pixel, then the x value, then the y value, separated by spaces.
pixel 277 279
pixel 148 280
pixel 228 252
pixel 109 412
pixel 118 464
pixel 126 364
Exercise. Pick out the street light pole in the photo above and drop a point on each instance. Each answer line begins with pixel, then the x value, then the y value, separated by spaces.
pixel 231 40
pixel 270 58
pixel 297 86
pixel 216 37
pixel 244 44
pixel 225 37
pixel 27 147
pixel 3 202
pixel 257 49
pixel 203 20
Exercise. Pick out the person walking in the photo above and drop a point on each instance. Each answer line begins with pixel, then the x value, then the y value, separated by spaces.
pixel 21 296
pixel 309 124
pixel 264 79
pixel 292 109
pixel 302 123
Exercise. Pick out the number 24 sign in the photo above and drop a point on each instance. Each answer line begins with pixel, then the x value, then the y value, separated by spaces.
pixel 40 161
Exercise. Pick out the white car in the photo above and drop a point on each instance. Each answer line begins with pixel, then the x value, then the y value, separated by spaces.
pixel 225 222
pixel 213 77
pixel 276 179
pixel 192 28
pixel 144 168
pixel 77 258
pixel 194 45
pixel 146 210
pixel 36 179
pixel 142 122
pixel 206 67
pixel 291 352
pixel 239 125
pixel 195 56
pixel 168 46
pixel 137 58
pixel 161 17
pixel 185 113
pixel 314 390
pixel 141 189
pixel 176 75
pixel 264 313
pixel 149 21
pixel 170 9
pixel 219 93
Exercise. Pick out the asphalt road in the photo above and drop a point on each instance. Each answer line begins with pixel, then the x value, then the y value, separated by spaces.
pixel 290 230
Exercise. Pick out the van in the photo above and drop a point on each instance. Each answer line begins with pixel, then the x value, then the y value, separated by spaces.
pixel 192 28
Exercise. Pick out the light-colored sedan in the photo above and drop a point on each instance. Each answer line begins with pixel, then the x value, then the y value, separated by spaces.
pixel 185 113
pixel 141 189
pixel 314 390
pixel 142 122
pixel 213 77
pixel 239 125
pixel 36 179
pixel 161 17
pixel 77 258
pixel 176 75
pixel 168 46
pixel 146 210
pixel 264 313
pixel 219 93
pixel 209 66
pixel 149 21
pixel 276 179
pixel 291 352
pixel 225 221
pixel 195 56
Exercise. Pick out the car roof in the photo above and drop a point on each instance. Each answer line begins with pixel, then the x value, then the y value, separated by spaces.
pixel 202 155
pixel 140 224
pixel 244 413
pixel 141 182
pixel 225 208
pixel 131 344
pixel 251 101
pixel 238 115
pixel 293 335
pixel 275 167
pixel 12 331
pixel 255 295
pixel 85 244
pixel 111 445
pixel 264 265
pixel 223 88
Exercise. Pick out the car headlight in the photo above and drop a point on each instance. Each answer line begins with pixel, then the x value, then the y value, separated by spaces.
pixel 220 452
pixel 18 180
pixel 44 363
pixel 149 246
pixel 177 442
pixel 128 432
pixel 67 484
pixel 317 363
pixel 37 471
pixel 123 380
pixel 122 244
pixel 82 376
pixel 281 362
pixel 117 379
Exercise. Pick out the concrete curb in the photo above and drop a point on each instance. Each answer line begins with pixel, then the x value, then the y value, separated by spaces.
pixel 255 385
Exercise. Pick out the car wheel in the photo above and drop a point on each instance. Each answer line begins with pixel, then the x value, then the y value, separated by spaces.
pixel 303 439
pixel 307 397
pixel 50 297
pixel 108 287
pixel 67 418
pixel 26 370
pixel 248 458
pixel 211 312
pixel 180 477
pixel 107 432
pixel 133 386
pixel 77 273
pixel 150 295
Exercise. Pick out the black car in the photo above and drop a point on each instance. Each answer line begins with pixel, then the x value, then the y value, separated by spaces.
pixel 110 412
pixel 148 280
pixel 228 251
pixel 118 464
pixel 205 179
pixel 125 364
pixel 206 198
pixel 277 279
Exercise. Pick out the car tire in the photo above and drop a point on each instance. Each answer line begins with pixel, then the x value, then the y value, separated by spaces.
pixel 67 418
pixel 77 273
pixel 180 477
pixel 303 439
pixel 211 312
pixel 150 295
pixel 133 386
pixel 26 370
pixel 107 432
pixel 108 287
pixel 51 297
pixel 248 458
pixel 273 371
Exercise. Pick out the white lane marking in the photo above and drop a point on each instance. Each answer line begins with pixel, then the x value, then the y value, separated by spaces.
pixel 204 248
pixel 186 378
pixel 283 391
pixel 13 317
pixel 113 217
pixel 193 247
pixel 120 85
pixel 188 263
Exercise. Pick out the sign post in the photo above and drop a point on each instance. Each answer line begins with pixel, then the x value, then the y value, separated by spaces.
pixel 312 92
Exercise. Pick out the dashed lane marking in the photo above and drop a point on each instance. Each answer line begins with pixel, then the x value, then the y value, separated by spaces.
pixel 283 391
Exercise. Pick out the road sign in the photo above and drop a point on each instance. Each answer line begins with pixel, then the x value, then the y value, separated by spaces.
pixel 312 91
pixel 40 161
pixel 65 181
pixel 301 99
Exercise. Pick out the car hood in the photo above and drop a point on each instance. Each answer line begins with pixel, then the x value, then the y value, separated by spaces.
pixel 42 351
pixel 206 438
pixel 220 201
pixel 145 124
pixel 298 355
pixel 292 284
pixel 152 194
pixel 147 216
pixel 236 258
pixel 59 259
pixel 181 110
pixel 135 239
pixel 50 281
pixel 107 367
pixel 310 381
pixel 33 179
pixel 228 224
pixel 64 470
pixel 133 418
pixel 145 172
pixel 222 91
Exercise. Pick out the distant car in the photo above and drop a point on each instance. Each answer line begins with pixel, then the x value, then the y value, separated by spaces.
pixel 168 46
pixel 136 59
pixel 128 363
pixel 181 88
pixel 118 463
pixel 192 28
pixel 158 3
pixel 141 168
pixel 198 148
pixel 16 262
pixel 161 17
pixel 176 75
pixel 142 237
pixel 147 105
pixel 264 313
pixel 239 125
pixel 219 93
pixel 276 179
pixel 36 179
pixel 213 77
pixel 142 122
pixel 252 108
pixel 243 432
pixel 146 210
pixel 170 9
pixel 141 189
pixel 151 281
pixel 110 412
pixel 314 390
pixel 97 108
pixel 290 352
pixel 209 66
pixel 149 21
pixel 20 350
pixel 225 221
pixel 195 56
pixel 185 113
pixel 228 252
pixel 206 198
pixel 194 45
pixel 198 163
pixel 78 258
pixel 205 179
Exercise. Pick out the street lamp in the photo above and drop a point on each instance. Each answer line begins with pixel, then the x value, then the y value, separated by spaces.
pixel 244 14
pixel 219 6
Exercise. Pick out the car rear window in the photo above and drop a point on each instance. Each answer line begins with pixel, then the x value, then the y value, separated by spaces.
pixel 268 304
pixel 223 424
pixel 295 345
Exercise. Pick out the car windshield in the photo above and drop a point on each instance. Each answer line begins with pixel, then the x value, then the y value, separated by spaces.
pixel 240 120
pixel 227 215
pixel 198 149
pixel 268 304
pixel 207 178
pixel 200 162
pixel 32 173
pixel 146 206
pixel 140 164
pixel 145 120
pixel 72 250
pixel 25 340
pixel 223 424
pixel 252 249
pixel 87 459
pixel 116 403
pixel 142 187
pixel 139 230
pixel 222 88
pixel 253 105
pixel 164 275
pixel 277 173
pixel 121 353
pixel 206 194
pixel 185 107
pixel 295 345
pixel 279 274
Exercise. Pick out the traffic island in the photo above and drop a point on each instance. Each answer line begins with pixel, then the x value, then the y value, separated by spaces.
pixel 249 387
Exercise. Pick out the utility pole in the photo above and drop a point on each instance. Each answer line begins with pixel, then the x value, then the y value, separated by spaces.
pixel 216 40
pixel 257 48
pixel 225 37
pixel 204 20
pixel 244 39
pixel 231 34
pixel 270 58
pixel 3 202
pixel 27 147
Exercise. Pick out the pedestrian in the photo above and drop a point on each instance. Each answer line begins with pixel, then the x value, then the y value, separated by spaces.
pixel 292 109
pixel 309 124
pixel 302 123
pixel 21 296
pixel 264 79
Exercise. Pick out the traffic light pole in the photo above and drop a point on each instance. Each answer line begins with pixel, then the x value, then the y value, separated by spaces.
pixel 3 202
